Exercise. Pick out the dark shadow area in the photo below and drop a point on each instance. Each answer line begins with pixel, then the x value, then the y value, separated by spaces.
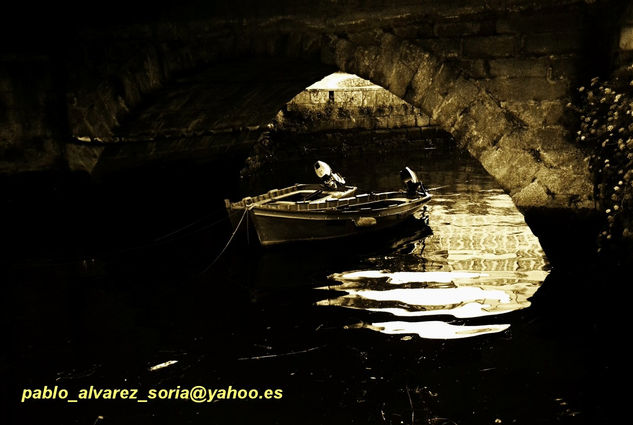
pixel 84 310
pixel 567 236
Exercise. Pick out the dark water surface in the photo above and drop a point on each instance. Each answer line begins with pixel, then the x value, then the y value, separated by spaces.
pixel 469 324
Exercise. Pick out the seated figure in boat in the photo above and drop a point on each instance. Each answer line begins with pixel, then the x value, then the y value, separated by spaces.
pixel 411 182
pixel 329 178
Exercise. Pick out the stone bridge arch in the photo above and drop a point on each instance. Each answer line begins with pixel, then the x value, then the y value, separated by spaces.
pixel 536 166
pixel 444 58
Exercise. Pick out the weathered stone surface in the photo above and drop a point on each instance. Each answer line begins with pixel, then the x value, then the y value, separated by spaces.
pixel 626 38
pixel 565 158
pixel 457 29
pixel 513 168
pixel 570 19
pixel 518 67
pixel 388 69
pixel 562 184
pixel 404 69
pixel 442 47
pixel 552 43
pixel 364 59
pixel 490 46
pixel 475 68
pixel 462 95
pixel 422 80
pixel 532 195
pixel 526 89
pixel 537 113
pixel 343 52
pixel 413 31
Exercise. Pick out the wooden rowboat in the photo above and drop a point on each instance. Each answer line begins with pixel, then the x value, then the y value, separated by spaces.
pixel 314 212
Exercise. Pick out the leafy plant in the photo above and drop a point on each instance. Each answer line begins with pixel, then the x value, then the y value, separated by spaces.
pixel 605 133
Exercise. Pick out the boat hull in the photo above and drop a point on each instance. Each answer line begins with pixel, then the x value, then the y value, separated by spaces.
pixel 278 227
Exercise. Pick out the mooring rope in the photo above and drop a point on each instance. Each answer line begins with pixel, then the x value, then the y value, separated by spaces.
pixel 246 210
pixel 176 232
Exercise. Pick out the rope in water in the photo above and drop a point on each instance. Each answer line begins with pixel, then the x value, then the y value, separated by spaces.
pixel 239 224
pixel 170 234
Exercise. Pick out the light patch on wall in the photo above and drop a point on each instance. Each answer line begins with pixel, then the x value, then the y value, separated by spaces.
pixel 626 38
pixel 342 80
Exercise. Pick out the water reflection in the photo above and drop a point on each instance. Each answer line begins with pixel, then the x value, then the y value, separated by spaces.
pixel 482 260
pixel 435 329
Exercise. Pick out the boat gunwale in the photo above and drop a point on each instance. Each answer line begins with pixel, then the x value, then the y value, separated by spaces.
pixel 258 200
pixel 334 213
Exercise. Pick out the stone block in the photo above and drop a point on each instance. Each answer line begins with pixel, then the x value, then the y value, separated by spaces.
pixel 476 68
pixel 517 139
pixel 562 183
pixel 383 97
pixel 552 138
pixel 416 30
pixel 525 89
pixel 626 38
pixel 411 53
pixel 442 47
pixel 431 100
pixel 399 79
pixel 490 46
pixel 540 22
pixel 388 55
pixel 567 66
pixel 522 168
pixel 532 195
pixel 537 113
pixel 552 43
pixel 463 93
pixel 404 69
pixel 364 58
pixel 490 119
pixel 456 29
pixel 421 81
pixel 439 86
pixel 351 98
pixel 567 158
pixel 343 54
pixel 518 67
pixel 493 160
pixel 366 37
pixel 476 144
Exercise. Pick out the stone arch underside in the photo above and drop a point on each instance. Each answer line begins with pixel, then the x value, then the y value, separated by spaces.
pixel 537 165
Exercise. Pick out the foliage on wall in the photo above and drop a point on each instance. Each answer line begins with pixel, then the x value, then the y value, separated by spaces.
pixel 606 134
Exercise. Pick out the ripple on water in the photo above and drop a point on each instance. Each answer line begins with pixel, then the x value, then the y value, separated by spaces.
pixel 482 260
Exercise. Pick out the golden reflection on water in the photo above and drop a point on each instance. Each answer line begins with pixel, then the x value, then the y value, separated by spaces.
pixel 482 260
